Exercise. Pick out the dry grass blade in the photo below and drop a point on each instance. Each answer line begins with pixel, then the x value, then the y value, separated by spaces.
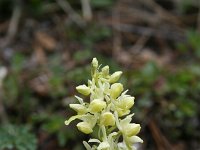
pixel 75 17
pixel 161 142
pixel 87 10
pixel 13 25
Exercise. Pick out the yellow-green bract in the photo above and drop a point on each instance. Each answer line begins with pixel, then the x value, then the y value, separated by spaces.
pixel 109 110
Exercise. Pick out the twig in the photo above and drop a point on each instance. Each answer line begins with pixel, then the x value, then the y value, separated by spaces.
pixel 137 15
pixel 75 17
pixel 86 8
pixel 161 142
pixel 164 33
pixel 117 42
pixel 164 14
pixel 13 26
pixel 117 52
pixel 139 44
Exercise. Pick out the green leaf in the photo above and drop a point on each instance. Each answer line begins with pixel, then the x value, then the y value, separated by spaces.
pixel 17 137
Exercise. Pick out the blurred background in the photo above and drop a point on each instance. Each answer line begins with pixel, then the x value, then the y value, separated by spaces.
pixel 46 47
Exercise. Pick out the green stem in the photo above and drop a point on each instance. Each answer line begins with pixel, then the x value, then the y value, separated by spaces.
pixel 117 121
pixel 105 138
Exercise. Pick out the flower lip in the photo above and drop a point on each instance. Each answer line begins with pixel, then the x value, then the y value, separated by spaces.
pixel 132 129
pixel 80 109
pixel 107 119
pixel 97 105
pixel 126 102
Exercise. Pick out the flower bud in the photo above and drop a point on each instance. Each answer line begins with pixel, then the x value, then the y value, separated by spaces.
pixel 84 127
pixel 80 109
pixel 116 90
pixel 107 119
pixel 132 129
pixel 135 139
pixel 105 70
pixel 83 89
pixel 115 76
pixel 95 62
pixel 127 102
pixel 97 105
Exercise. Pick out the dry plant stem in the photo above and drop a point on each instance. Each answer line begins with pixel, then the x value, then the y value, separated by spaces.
pixel 75 17
pixel 139 45
pixel 164 14
pixel 138 15
pixel 13 26
pixel 166 34
pixel 161 142
pixel 86 9
pixel 117 41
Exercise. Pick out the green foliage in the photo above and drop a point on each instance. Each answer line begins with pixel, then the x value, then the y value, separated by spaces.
pixel 192 44
pixel 12 82
pixel 17 62
pixel 82 55
pixel 101 3
pixel 57 79
pixel 144 78
pixel 95 33
pixel 79 74
pixel 90 35
pixel 194 41
pixel 175 95
pixel 17 137
pixel 11 89
pixel 170 93
pixel 54 125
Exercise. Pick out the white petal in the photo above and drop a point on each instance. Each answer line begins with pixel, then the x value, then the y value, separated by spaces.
pixel 103 145
pixel 67 122
pixel 87 146
pixel 79 99
pixel 135 139
pixel 94 141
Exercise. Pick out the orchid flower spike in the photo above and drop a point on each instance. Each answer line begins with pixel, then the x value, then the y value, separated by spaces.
pixel 108 110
